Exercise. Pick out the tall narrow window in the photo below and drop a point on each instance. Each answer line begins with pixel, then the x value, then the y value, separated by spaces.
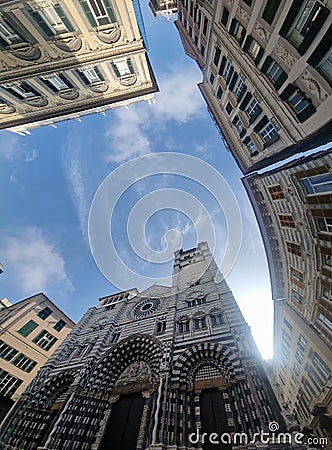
pixel 28 328
pixel 44 313
pixel 8 384
pixel 270 10
pixel 276 192
pixel 325 66
pixel 8 35
pixel 22 90
pixel 98 12
pixel 318 184
pixel 52 20
pixel 123 67
pixel 57 83
pixel 90 76
pixel 269 134
pixel 293 248
pixel 45 340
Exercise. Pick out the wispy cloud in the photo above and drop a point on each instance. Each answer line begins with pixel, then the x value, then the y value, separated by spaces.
pixel 34 262
pixel 133 131
pixel 75 173
pixel 9 146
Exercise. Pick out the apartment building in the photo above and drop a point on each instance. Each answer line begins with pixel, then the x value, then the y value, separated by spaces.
pixel 67 58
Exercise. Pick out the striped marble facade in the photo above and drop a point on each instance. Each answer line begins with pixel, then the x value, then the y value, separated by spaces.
pixel 163 349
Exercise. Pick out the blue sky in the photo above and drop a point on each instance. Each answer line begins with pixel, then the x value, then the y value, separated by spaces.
pixel 48 181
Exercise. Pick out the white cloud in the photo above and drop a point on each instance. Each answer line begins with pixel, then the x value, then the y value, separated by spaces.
pixel 178 101
pixel 127 134
pixel 9 146
pixel 74 173
pixel 34 262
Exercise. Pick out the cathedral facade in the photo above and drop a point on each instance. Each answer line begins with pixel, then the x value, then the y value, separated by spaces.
pixel 162 369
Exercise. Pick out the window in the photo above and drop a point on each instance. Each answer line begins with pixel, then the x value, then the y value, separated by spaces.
pixel 288 325
pixel 298 101
pixel 240 127
pixel 293 248
pixel 275 72
pixel 321 366
pixel 318 183
pixel 123 67
pixel 59 325
pixel 228 72
pixel 44 313
pixel 28 328
pixel 216 319
pixel 253 110
pixel 238 32
pixel 161 326
pixel 45 340
pixel 7 34
pixel 216 56
pixel 327 293
pixel 90 76
pixel 297 275
pixel 324 224
pixel 200 323
pixel 229 108
pixel 52 20
pixel 183 327
pixel 240 89
pixel 308 14
pixel 325 321
pixel 255 50
pixel 24 363
pixel 325 66
pixel 212 77
pixel 327 260
pixel 286 221
pixel 299 356
pixel 57 83
pixel 205 26
pixel 8 384
pixel 269 134
pixel 270 10
pixel 7 352
pixel 276 192
pixel 224 17
pixel 202 49
pixel 98 12
pixel 22 90
pixel 219 93
pixel 296 368
pixel 251 146
pixel 302 342
pixel 297 297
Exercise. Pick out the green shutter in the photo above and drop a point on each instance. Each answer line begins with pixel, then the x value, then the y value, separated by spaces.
pixel 82 77
pixel 245 101
pixel 288 91
pixel 306 113
pixel 116 70
pixel 233 81
pixel 110 11
pixel 270 10
pixel 313 30
pixel 259 56
pixel 49 85
pixel 291 16
pixel 266 64
pixel 43 25
pixel 130 65
pixel 63 17
pixel 232 27
pixel 96 69
pixel 280 81
pixel 88 13
pixel 28 328
pixel 65 80
pixel 264 120
pixel 222 66
pixel 247 43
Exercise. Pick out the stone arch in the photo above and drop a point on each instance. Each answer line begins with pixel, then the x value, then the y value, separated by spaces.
pixel 223 357
pixel 52 388
pixel 139 347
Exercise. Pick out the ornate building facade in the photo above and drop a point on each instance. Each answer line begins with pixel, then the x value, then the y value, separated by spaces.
pixel 30 331
pixel 293 206
pixel 66 58
pixel 146 371
pixel 267 73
